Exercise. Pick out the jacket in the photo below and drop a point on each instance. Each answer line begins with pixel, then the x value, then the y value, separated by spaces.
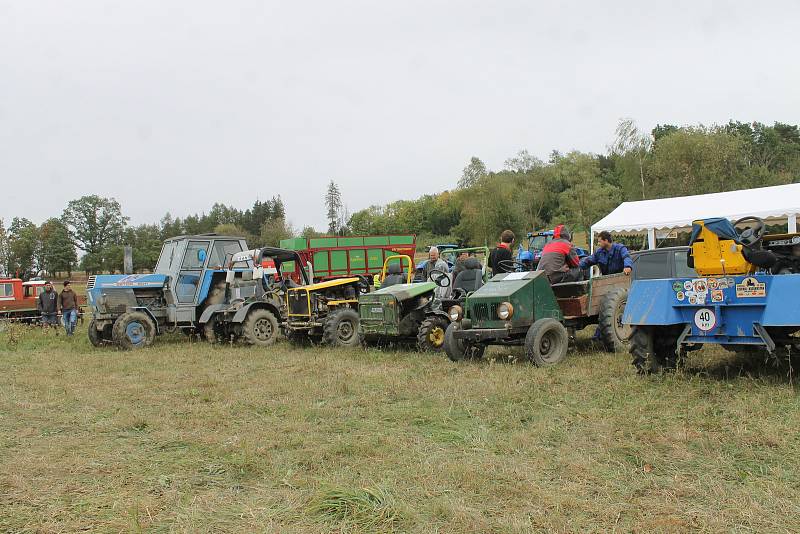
pixel 68 300
pixel 47 302
pixel 610 261
pixel 497 256
pixel 558 256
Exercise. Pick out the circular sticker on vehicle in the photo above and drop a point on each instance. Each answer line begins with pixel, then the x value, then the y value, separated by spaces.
pixel 680 295
pixel 713 283
pixel 677 286
pixel 687 285
pixel 705 319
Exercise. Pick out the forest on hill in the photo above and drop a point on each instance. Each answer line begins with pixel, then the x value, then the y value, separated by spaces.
pixel 528 193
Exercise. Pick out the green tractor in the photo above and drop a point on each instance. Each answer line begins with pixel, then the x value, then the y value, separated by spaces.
pixel 522 308
pixel 407 312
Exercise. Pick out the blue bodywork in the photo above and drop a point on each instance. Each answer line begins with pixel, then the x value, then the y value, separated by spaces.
pixel 724 310
pixel 128 281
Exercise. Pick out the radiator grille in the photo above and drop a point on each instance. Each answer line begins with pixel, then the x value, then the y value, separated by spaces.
pixel 90 282
pixel 484 312
pixel 298 303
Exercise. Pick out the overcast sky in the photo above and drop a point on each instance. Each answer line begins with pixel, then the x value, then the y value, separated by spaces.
pixel 175 105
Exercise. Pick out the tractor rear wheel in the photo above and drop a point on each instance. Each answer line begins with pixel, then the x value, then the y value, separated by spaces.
pixel 614 334
pixel 98 338
pixel 430 337
pixel 260 328
pixel 342 328
pixel 653 349
pixel 212 331
pixel 458 349
pixel 133 330
pixel 546 342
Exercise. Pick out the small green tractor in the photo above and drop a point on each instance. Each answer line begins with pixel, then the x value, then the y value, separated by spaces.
pixel 415 312
pixel 522 308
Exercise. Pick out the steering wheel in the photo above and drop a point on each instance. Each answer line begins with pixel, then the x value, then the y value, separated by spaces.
pixel 751 236
pixel 440 278
pixel 363 284
pixel 512 265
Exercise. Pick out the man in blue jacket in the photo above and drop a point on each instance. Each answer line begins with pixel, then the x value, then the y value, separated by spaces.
pixel 611 257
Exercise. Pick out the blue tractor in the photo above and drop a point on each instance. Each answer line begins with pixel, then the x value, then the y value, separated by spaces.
pixel 195 286
pixel 528 259
pixel 745 297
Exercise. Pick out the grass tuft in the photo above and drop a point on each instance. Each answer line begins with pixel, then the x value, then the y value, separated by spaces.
pixel 365 508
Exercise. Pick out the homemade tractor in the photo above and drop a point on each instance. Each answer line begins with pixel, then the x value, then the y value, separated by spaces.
pixel 522 308
pixel 189 287
pixel 412 312
pixel 736 301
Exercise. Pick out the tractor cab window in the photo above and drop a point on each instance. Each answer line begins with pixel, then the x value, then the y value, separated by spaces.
pixel 651 266
pixel 195 256
pixel 682 269
pixel 221 251
pixel 6 290
pixel 167 257
pixel 538 242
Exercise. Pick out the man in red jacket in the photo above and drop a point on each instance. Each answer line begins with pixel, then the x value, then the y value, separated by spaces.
pixel 559 259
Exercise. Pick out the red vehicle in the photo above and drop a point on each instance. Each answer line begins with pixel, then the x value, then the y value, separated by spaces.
pixel 18 298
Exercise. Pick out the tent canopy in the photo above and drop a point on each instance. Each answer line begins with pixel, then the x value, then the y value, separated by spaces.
pixel 780 201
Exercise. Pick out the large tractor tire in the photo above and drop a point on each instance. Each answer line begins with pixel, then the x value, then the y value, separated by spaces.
pixel 653 349
pixel 546 342
pixel 97 337
pixel 260 328
pixel 342 329
pixel 614 335
pixel 430 337
pixel 212 331
pixel 133 330
pixel 457 349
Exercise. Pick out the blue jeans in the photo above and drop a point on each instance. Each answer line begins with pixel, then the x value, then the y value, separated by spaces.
pixel 70 318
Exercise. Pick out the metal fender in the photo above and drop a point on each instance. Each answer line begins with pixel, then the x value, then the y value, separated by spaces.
pixel 209 311
pixel 650 303
pixel 241 313
pixel 152 318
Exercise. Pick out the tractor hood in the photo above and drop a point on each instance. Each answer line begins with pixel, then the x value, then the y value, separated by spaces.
pixel 404 292
pixel 528 292
pixel 129 280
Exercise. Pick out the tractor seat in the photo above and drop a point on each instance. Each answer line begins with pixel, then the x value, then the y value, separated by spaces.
pixel 471 278
pixel 394 275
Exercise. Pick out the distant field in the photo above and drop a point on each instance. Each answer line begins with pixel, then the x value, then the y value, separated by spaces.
pixel 191 438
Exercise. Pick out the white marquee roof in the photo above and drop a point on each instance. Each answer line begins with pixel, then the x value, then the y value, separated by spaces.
pixel 780 201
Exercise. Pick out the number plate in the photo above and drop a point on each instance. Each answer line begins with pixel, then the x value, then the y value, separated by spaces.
pixel 376 310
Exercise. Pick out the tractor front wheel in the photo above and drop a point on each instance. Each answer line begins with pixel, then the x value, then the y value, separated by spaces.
pixel 458 349
pixel 430 337
pixel 98 338
pixel 546 342
pixel 133 330
pixel 260 328
pixel 213 331
pixel 342 329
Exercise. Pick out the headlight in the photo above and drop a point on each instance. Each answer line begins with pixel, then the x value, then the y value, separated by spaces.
pixel 455 313
pixel 505 311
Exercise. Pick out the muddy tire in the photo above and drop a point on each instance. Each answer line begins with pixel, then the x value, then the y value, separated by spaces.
pixel 133 330
pixel 260 328
pixel 614 335
pixel 342 329
pixel 211 331
pixel 457 349
pixel 546 342
pixel 430 337
pixel 97 337
pixel 653 349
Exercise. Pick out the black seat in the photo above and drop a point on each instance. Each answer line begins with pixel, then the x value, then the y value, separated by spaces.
pixel 394 275
pixel 471 278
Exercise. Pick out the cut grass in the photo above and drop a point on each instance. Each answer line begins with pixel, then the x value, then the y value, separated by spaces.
pixel 187 437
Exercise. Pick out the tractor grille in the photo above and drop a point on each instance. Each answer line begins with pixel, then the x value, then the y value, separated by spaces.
pixel 117 302
pixel 484 312
pixel 90 282
pixel 298 302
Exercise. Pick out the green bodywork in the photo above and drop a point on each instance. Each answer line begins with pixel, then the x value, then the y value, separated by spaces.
pixel 529 293
pixel 390 310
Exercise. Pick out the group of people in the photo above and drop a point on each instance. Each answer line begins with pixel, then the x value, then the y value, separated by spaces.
pixel 50 302
pixel 559 259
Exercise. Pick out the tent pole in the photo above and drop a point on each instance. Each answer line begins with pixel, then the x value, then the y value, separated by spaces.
pixel 591 240
pixel 651 238
pixel 793 223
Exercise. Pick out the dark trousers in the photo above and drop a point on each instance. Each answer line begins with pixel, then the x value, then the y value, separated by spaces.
pixel 573 275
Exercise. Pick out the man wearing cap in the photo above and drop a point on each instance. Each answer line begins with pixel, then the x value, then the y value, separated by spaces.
pixel 47 304
pixel 68 302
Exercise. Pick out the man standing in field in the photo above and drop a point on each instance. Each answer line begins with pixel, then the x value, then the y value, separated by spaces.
pixel 47 304
pixel 501 256
pixel 68 302
pixel 610 257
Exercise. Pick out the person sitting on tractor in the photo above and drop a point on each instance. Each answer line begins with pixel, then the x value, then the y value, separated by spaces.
pixel 501 258
pixel 559 259
pixel 434 263
pixel 610 257
pixel 459 266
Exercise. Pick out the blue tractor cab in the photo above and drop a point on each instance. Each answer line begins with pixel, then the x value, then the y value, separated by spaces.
pixel 735 300
pixel 528 259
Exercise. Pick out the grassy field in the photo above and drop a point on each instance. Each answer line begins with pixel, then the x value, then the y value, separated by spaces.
pixel 188 437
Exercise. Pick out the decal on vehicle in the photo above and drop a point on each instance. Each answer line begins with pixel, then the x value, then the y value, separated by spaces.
pixel 750 288
pixel 677 286
pixel 705 319
pixel 717 296
pixel 680 295
pixel 687 285
pixel 700 286
pixel 713 283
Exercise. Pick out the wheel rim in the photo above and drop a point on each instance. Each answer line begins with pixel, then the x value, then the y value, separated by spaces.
pixel 622 331
pixel 345 331
pixel 548 346
pixel 263 329
pixel 135 332
pixel 436 336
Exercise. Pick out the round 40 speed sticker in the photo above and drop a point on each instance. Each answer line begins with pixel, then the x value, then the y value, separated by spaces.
pixel 705 319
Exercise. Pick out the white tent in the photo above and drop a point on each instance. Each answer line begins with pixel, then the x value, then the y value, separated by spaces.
pixel 776 202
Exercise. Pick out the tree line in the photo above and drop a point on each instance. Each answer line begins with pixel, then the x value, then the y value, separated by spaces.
pixel 575 188
pixel 580 188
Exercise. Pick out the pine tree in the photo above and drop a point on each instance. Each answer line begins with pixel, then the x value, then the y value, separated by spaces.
pixel 333 201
